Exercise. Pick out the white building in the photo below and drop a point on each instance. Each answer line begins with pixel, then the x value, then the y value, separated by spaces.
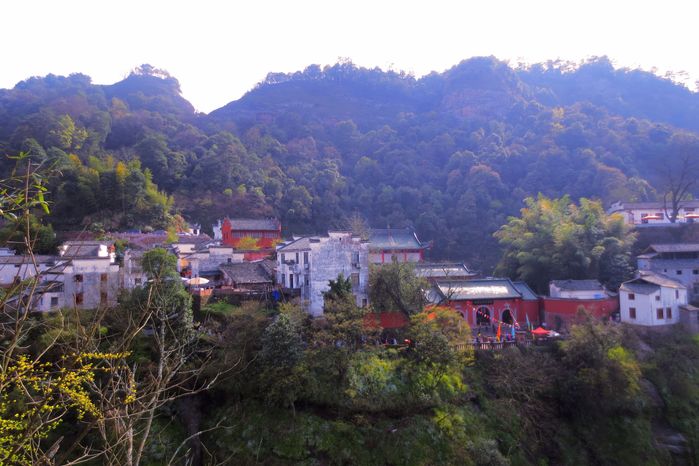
pixel 205 262
pixel 577 289
pixel 653 213
pixel 17 268
pixel 651 300
pixel 87 282
pixel 307 265
pixel 132 274
pixel 93 249
pixel 679 261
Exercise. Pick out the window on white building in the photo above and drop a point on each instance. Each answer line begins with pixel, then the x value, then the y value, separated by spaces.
pixel 659 313
pixel 668 312
pixel 632 296
pixel 355 280
pixel 632 312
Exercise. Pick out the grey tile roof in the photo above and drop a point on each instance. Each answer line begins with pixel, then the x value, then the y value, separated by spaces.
pixel 648 279
pixel 659 279
pixel 82 248
pixel 463 290
pixel 148 241
pixel 301 244
pixel 255 224
pixel 672 264
pixel 394 238
pixel 525 291
pixel 675 247
pixel 25 259
pixel 58 268
pixel 247 273
pixel 656 205
pixel 445 270
pixel 578 285
pixel 648 255
pixel 640 288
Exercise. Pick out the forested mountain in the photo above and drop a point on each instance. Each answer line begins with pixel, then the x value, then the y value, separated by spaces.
pixel 452 154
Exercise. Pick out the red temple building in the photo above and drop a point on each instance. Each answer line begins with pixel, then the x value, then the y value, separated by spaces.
pixel 395 244
pixel 488 301
pixel 265 232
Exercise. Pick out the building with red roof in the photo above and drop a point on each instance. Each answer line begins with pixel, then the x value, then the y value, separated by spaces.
pixel 265 232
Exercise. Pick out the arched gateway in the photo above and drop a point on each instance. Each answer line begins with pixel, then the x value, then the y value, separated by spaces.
pixel 482 316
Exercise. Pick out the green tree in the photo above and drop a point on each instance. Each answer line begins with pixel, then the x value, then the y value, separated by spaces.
pixel 282 351
pixel 339 290
pixel 43 237
pixel 396 287
pixel 439 336
pixel 342 332
pixel 557 239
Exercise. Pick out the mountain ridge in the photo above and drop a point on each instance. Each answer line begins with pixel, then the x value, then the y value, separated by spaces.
pixel 450 154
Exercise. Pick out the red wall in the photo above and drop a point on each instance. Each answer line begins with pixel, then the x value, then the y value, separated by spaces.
pixel 386 320
pixel 531 309
pixel 596 307
pixel 517 307
pixel 561 312
pixel 229 240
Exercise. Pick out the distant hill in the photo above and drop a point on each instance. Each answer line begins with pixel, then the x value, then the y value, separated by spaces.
pixel 451 154
pixel 625 92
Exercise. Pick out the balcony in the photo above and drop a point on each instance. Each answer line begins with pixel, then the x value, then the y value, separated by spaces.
pixel 300 268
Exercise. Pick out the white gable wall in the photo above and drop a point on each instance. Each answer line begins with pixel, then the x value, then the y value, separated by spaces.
pixel 647 306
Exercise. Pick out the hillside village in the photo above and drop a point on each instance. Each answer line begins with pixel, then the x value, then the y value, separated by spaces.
pixel 212 283
pixel 247 259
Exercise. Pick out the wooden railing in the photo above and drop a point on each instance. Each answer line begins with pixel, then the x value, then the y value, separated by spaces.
pixel 491 345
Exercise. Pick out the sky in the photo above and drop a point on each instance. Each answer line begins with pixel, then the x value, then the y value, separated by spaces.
pixel 218 50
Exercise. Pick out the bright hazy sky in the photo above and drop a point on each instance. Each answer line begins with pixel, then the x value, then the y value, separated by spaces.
pixel 218 50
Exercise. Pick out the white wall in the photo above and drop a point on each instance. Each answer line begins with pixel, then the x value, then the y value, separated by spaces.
pixel 330 257
pixel 291 267
pixel 555 292
pixel 8 272
pixel 92 285
pixel 647 305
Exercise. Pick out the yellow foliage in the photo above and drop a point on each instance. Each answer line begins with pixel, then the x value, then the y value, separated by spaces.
pixel 121 172
pixel 35 395
pixel 248 244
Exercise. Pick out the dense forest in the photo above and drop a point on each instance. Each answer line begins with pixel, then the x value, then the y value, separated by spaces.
pixel 452 154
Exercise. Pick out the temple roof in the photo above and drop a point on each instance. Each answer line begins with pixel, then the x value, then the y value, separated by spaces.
pixel 255 224
pixel 468 290
pixel 394 238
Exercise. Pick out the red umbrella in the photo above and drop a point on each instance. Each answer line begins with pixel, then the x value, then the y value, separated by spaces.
pixel 540 331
